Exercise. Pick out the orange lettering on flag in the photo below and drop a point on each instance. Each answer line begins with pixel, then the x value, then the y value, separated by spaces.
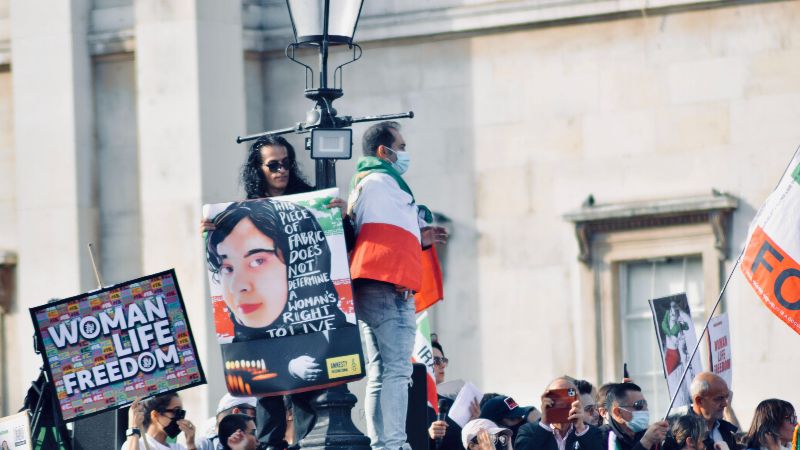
pixel 775 277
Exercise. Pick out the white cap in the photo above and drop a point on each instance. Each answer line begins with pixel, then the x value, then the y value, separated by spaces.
pixel 472 428
pixel 228 401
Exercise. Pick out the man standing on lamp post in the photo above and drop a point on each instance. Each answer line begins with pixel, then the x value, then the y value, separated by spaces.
pixel 386 268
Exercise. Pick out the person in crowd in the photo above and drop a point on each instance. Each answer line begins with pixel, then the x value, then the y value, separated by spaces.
pixel 602 395
pixel 228 405
pixel 238 432
pixel 386 268
pixel 483 434
pixel 505 412
pixel 772 427
pixel 687 433
pixel 589 402
pixel 444 434
pixel 155 420
pixel 271 170
pixel 709 399
pixel 547 435
pixel 628 424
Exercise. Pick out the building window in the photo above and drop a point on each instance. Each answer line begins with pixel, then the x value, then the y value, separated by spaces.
pixel 647 279
pixel 634 252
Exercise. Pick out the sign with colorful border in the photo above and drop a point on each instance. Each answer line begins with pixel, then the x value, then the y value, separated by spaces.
pixel 105 348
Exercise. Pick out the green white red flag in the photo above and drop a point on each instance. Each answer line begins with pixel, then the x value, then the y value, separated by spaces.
pixel 770 261
pixel 423 354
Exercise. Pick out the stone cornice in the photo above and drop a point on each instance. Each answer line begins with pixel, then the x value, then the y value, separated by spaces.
pixel 592 219
pixel 266 28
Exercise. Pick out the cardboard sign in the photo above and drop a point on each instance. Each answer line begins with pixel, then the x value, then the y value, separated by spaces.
pixel 281 294
pixel 103 349
pixel 677 339
pixel 770 261
pixel 719 347
pixel 15 432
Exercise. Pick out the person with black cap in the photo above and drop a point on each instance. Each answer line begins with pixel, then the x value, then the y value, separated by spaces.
pixel 505 412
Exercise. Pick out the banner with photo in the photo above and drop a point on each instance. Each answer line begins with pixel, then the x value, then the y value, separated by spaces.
pixel 281 294
pixel 676 339
pixel 15 432
pixel 105 348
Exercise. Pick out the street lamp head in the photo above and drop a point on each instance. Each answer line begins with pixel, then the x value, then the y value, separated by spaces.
pixel 312 20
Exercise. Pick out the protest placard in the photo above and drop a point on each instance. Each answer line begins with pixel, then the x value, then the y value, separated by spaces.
pixel 677 339
pixel 105 348
pixel 281 294
pixel 15 432
pixel 719 347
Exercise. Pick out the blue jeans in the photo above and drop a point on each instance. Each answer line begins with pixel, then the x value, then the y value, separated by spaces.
pixel 388 322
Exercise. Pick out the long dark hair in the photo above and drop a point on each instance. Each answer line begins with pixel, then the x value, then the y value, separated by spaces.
pixel 265 215
pixel 253 179
pixel 767 420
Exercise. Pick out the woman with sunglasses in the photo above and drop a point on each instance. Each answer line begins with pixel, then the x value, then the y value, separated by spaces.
pixel 156 419
pixel 772 426
pixel 271 171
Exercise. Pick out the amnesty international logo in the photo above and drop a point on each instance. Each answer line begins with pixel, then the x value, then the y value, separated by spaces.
pixel 343 366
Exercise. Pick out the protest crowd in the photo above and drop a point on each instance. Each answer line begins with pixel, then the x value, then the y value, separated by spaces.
pixel 385 232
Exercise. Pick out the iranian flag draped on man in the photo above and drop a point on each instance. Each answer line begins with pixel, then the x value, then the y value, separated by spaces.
pixel 772 252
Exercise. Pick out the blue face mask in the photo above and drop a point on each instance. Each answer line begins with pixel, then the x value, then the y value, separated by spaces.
pixel 403 161
pixel 639 421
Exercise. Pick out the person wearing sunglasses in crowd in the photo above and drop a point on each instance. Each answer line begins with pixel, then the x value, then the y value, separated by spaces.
pixel 483 434
pixel 446 432
pixel 589 401
pixel 772 427
pixel 270 171
pixel 628 424
pixel 155 420
pixel 238 432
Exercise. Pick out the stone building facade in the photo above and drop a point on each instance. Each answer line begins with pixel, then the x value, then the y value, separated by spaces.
pixel 677 117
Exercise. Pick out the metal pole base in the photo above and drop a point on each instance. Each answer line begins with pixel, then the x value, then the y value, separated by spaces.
pixel 334 429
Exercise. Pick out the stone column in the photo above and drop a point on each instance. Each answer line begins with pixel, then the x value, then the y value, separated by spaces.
pixel 55 173
pixel 190 83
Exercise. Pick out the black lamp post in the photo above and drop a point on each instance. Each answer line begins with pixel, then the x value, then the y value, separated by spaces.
pixel 323 24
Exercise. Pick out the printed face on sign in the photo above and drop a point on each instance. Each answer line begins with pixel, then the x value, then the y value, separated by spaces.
pixel 253 275
pixel 271 264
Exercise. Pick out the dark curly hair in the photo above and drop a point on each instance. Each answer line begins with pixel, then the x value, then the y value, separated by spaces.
pixel 253 179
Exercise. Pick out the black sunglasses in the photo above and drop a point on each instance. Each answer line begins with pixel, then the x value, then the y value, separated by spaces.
pixel 275 166
pixel 495 438
pixel 638 405
pixel 437 361
pixel 177 413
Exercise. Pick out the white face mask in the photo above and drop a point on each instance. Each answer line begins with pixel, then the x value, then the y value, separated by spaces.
pixel 403 161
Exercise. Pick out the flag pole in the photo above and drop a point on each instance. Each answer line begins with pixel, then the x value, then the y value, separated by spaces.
pixel 724 286
pixel 705 328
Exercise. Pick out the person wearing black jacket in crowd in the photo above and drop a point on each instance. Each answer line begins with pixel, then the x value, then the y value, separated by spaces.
pixel 574 434
pixel 710 396
pixel 629 427
pixel 447 430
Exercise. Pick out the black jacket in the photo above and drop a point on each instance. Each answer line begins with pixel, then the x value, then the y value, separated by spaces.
pixel 452 437
pixel 533 437
pixel 623 441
